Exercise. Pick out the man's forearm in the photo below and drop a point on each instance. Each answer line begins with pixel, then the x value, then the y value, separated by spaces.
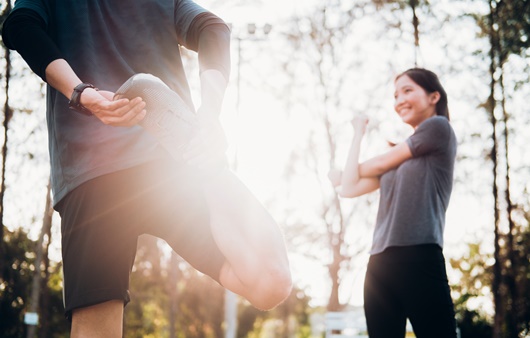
pixel 60 76
pixel 214 49
pixel 213 87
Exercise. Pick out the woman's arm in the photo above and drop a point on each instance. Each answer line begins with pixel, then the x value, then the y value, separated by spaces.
pixel 359 179
pixel 352 183
pixel 379 165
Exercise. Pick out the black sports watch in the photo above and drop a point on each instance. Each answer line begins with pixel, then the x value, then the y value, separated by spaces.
pixel 75 100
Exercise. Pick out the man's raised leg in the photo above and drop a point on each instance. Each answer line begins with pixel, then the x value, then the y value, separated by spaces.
pixel 104 320
pixel 257 266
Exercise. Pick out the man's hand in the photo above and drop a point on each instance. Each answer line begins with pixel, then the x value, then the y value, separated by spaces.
pixel 123 112
pixel 117 113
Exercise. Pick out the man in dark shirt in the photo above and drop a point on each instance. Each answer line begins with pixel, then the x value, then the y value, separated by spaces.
pixel 111 179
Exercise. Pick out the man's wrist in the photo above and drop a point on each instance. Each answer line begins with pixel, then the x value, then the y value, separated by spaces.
pixel 75 100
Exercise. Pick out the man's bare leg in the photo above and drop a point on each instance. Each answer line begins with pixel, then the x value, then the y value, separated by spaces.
pixel 257 266
pixel 104 320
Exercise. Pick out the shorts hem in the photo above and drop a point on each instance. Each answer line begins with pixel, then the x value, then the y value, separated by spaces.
pixel 94 298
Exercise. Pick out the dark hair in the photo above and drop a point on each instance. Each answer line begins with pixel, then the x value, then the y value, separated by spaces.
pixel 430 83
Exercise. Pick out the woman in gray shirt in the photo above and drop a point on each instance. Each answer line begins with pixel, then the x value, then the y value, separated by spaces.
pixel 406 276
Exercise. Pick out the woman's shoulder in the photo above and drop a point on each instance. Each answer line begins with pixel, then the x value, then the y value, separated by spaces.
pixel 436 124
pixel 435 129
pixel 436 120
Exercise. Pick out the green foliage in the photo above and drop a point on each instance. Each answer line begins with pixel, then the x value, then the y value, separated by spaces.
pixel 476 275
pixel 145 315
pixel 513 18
pixel 16 282
pixel 475 278
pixel 52 308
pixel 15 288
pixel 511 22
pixel 199 299
pixel 199 303
pixel 473 324
pixel 200 307
pixel 522 270
pixel 248 318
pixel 289 319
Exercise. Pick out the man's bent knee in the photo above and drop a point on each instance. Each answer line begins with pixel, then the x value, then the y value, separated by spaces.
pixel 272 289
pixel 264 289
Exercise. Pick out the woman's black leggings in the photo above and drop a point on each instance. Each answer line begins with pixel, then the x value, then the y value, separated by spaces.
pixel 408 282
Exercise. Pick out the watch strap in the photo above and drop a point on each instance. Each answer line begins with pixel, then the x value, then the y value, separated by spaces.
pixel 75 100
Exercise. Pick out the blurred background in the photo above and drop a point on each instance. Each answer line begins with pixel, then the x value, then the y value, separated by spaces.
pixel 300 71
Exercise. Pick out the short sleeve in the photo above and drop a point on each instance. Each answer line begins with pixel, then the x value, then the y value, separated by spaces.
pixel 185 12
pixel 41 7
pixel 432 135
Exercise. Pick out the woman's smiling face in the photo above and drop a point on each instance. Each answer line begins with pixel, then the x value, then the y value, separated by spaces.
pixel 412 103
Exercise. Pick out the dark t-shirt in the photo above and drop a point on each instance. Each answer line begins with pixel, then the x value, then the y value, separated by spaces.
pixel 106 42
pixel 414 196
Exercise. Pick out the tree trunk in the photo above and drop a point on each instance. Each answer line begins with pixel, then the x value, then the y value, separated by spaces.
pixel 497 283
pixel 7 117
pixel 173 304
pixel 415 24
pixel 45 294
pixel 334 268
pixel 37 279
pixel 511 267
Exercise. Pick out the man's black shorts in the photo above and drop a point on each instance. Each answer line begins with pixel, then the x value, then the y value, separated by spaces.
pixel 102 219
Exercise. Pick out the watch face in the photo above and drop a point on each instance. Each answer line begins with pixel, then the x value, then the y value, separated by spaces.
pixel 75 101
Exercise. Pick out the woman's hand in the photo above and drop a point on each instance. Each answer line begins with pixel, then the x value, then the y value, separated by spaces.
pixel 359 124
pixel 118 113
pixel 335 176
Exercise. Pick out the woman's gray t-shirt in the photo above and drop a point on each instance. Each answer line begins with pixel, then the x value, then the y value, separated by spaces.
pixel 414 196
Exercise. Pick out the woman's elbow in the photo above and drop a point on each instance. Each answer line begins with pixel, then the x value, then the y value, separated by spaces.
pixel 376 167
pixel 363 187
pixel 350 192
